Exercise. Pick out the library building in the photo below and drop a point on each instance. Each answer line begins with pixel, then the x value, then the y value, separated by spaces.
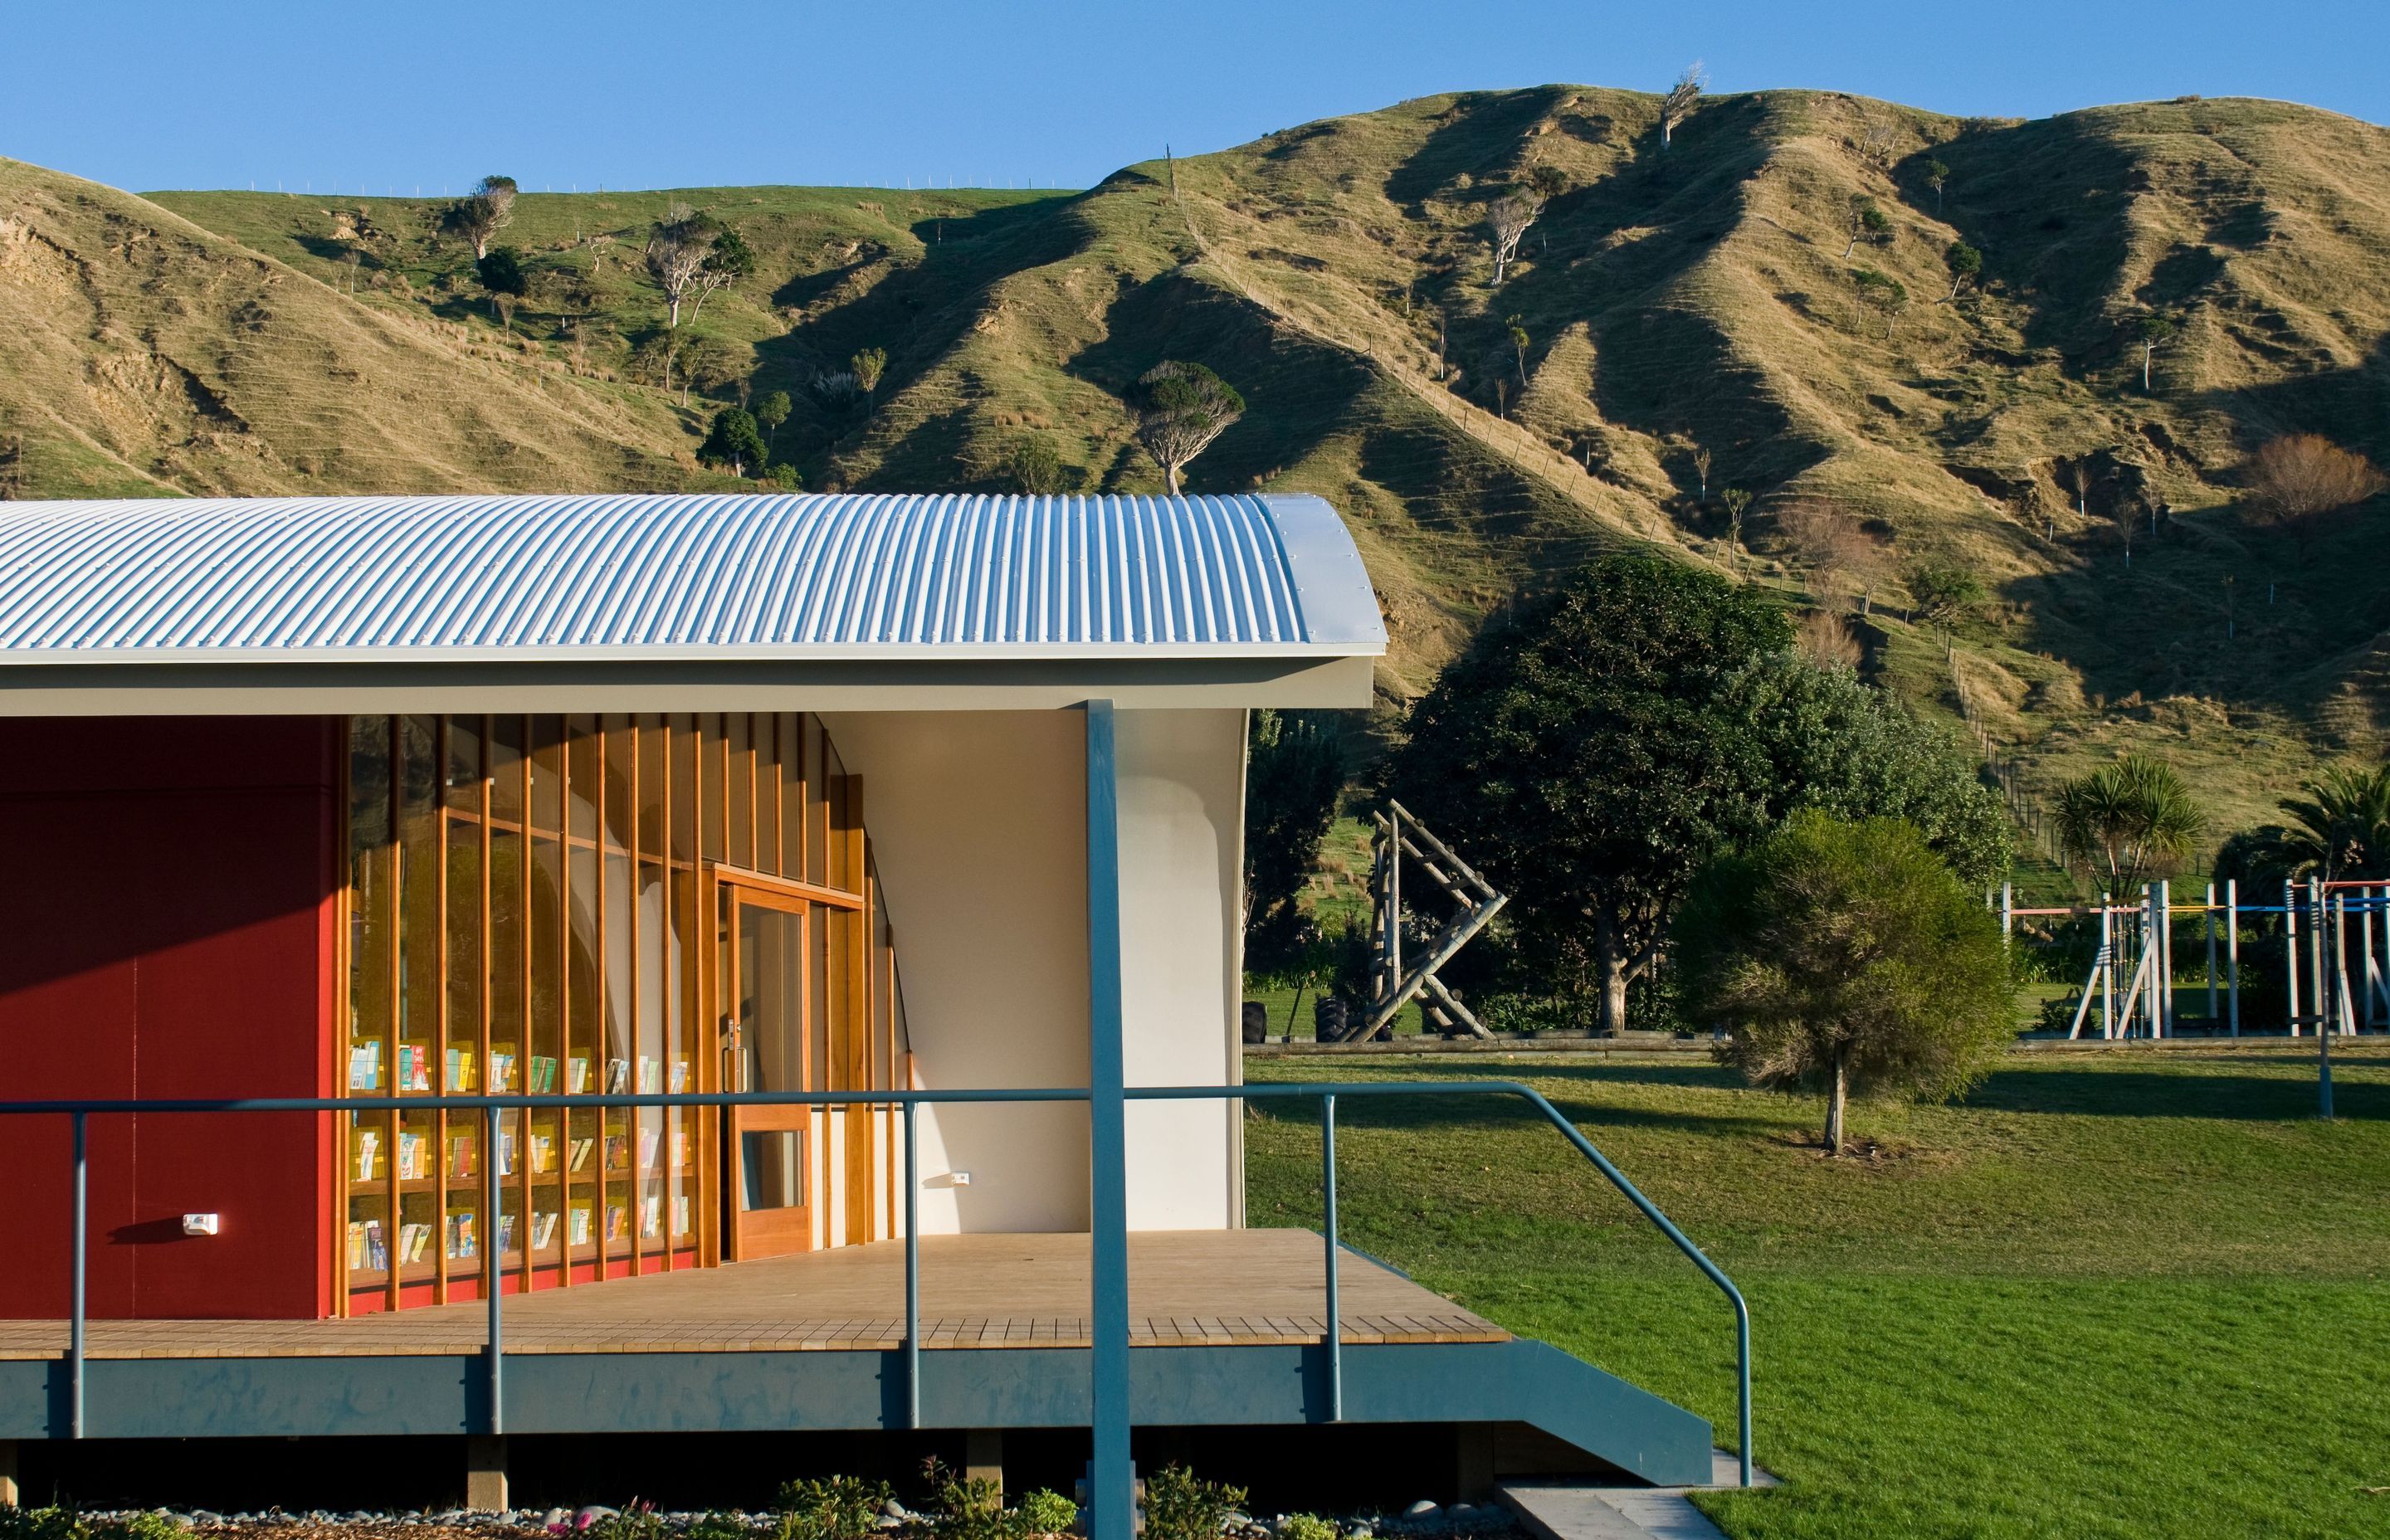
pixel 612 853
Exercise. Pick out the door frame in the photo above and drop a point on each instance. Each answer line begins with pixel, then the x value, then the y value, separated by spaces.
pixel 727 889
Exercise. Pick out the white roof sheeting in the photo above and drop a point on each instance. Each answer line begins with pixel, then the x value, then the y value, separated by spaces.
pixel 679 576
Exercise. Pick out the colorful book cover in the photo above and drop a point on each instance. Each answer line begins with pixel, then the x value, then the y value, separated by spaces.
pixel 460 1157
pixel 460 1069
pixel 413 1068
pixel 460 1235
pixel 680 1214
pixel 376 1254
pixel 679 1076
pixel 365 1067
pixel 580 1230
pixel 576 1075
pixel 652 1215
pixel 617 1222
pixel 581 1152
pixel 618 1076
pixel 647 1149
pixel 543 1074
pixel 506 1233
pixel 618 1151
pixel 502 1073
pixel 410 1157
pixel 543 1231
pixel 680 1147
pixel 506 1154
pixel 543 1154
pixel 651 1076
pixel 356 1244
pixel 369 1146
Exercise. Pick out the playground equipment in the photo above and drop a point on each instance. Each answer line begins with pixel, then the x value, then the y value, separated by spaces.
pixel 1399 833
pixel 2133 979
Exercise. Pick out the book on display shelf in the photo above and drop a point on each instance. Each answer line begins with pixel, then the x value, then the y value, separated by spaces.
pixel 366 1252
pixel 579 1232
pixel 652 1215
pixel 412 1240
pixel 618 1076
pixel 618 1152
pixel 581 1153
pixel 617 1222
pixel 543 1154
pixel 680 1214
pixel 506 1233
pixel 365 1066
pixel 502 1073
pixel 651 1076
pixel 542 1077
pixel 368 1146
pixel 411 1149
pixel 460 1156
pixel 543 1230
pixel 679 1076
pixel 414 1067
pixel 460 1069
pixel 576 1075
pixel 460 1237
pixel 648 1140
pixel 506 1154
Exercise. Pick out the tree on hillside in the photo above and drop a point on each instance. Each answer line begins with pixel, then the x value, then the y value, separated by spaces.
pixel 2339 830
pixel 729 260
pixel 1845 958
pixel 1574 753
pixel 656 356
pixel 1507 217
pixel 1826 638
pixel 1677 105
pixel 869 365
pixel 2298 480
pixel 1867 222
pixel 1294 768
pixel 1843 556
pixel 1034 468
pixel 1946 593
pixel 1701 462
pixel 716 363
pixel 771 410
pixel 481 213
pixel 678 248
pixel 501 274
pixel 1518 346
pixel 1181 408
pixel 1737 502
pixel 1547 182
pixel 2152 328
pixel 1937 177
pixel 1965 264
pixel 732 442
pixel 2127 822
pixel 1884 292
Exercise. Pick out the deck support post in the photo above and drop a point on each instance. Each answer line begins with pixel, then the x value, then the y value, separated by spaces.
pixel 1331 1312
pixel 984 1458
pixel 78 1275
pixel 11 1496
pixel 485 1472
pixel 1114 1509
pixel 1472 1475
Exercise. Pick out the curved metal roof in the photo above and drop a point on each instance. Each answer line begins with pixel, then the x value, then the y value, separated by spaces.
pixel 680 576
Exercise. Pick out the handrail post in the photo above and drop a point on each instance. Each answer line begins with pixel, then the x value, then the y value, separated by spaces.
pixel 75 1343
pixel 1334 1332
pixel 912 1283
pixel 493 1283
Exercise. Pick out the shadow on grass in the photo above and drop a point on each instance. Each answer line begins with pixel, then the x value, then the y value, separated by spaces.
pixel 2151 1093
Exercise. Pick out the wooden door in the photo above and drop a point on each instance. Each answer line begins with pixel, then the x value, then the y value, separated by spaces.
pixel 766 1038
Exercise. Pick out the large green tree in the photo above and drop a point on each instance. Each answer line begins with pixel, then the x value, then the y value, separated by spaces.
pixel 1835 743
pixel 2127 822
pixel 734 442
pixel 1294 769
pixel 2339 829
pixel 1575 755
pixel 1845 957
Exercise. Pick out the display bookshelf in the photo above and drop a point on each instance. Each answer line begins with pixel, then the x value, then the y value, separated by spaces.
pixel 528 907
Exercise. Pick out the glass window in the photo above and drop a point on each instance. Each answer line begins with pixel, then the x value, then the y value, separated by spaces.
pixel 586 777
pixel 792 796
pixel 740 801
pixel 620 782
pixel 652 786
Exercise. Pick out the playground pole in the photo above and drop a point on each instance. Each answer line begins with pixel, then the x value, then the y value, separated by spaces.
pixel 2164 1023
pixel 2107 970
pixel 2232 948
pixel 2323 1032
pixel 2315 956
pixel 2008 913
pixel 2153 951
pixel 2365 934
pixel 2344 1015
pixel 2291 949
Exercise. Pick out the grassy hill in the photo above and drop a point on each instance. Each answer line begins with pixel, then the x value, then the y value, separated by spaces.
pixel 1699 297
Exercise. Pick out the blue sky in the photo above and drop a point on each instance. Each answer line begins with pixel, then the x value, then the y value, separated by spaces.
pixel 431 95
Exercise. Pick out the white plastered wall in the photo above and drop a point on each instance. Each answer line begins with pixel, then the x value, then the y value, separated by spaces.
pixel 978 823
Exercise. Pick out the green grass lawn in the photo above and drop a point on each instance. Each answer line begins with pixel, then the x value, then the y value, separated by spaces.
pixel 2134 1294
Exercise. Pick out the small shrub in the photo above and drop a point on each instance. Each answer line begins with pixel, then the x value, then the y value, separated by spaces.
pixel 842 1507
pixel 40 1523
pixel 1180 1507
pixel 963 1508
pixel 637 1519
pixel 1307 1526
pixel 718 1526
pixel 1043 1512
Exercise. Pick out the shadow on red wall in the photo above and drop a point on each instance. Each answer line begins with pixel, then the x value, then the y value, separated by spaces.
pixel 169 931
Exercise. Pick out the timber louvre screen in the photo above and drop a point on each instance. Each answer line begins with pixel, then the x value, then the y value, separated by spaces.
pixel 527 912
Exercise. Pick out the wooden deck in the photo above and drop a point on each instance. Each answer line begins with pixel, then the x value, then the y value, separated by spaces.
pixel 1187 1288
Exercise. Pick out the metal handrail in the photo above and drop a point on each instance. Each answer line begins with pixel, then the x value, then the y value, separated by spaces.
pixel 79 1110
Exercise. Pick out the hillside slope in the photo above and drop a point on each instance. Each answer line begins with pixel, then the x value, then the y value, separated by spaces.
pixel 1702 298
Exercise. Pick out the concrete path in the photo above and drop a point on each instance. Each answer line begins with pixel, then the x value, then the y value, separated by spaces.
pixel 1554 1511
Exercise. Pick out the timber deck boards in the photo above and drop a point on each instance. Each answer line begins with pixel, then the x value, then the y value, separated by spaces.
pixel 1187 1288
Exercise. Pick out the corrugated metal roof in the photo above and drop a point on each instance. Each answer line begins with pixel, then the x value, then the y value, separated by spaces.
pixel 680 576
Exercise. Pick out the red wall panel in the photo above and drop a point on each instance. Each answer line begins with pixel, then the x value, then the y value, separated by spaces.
pixel 170 933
